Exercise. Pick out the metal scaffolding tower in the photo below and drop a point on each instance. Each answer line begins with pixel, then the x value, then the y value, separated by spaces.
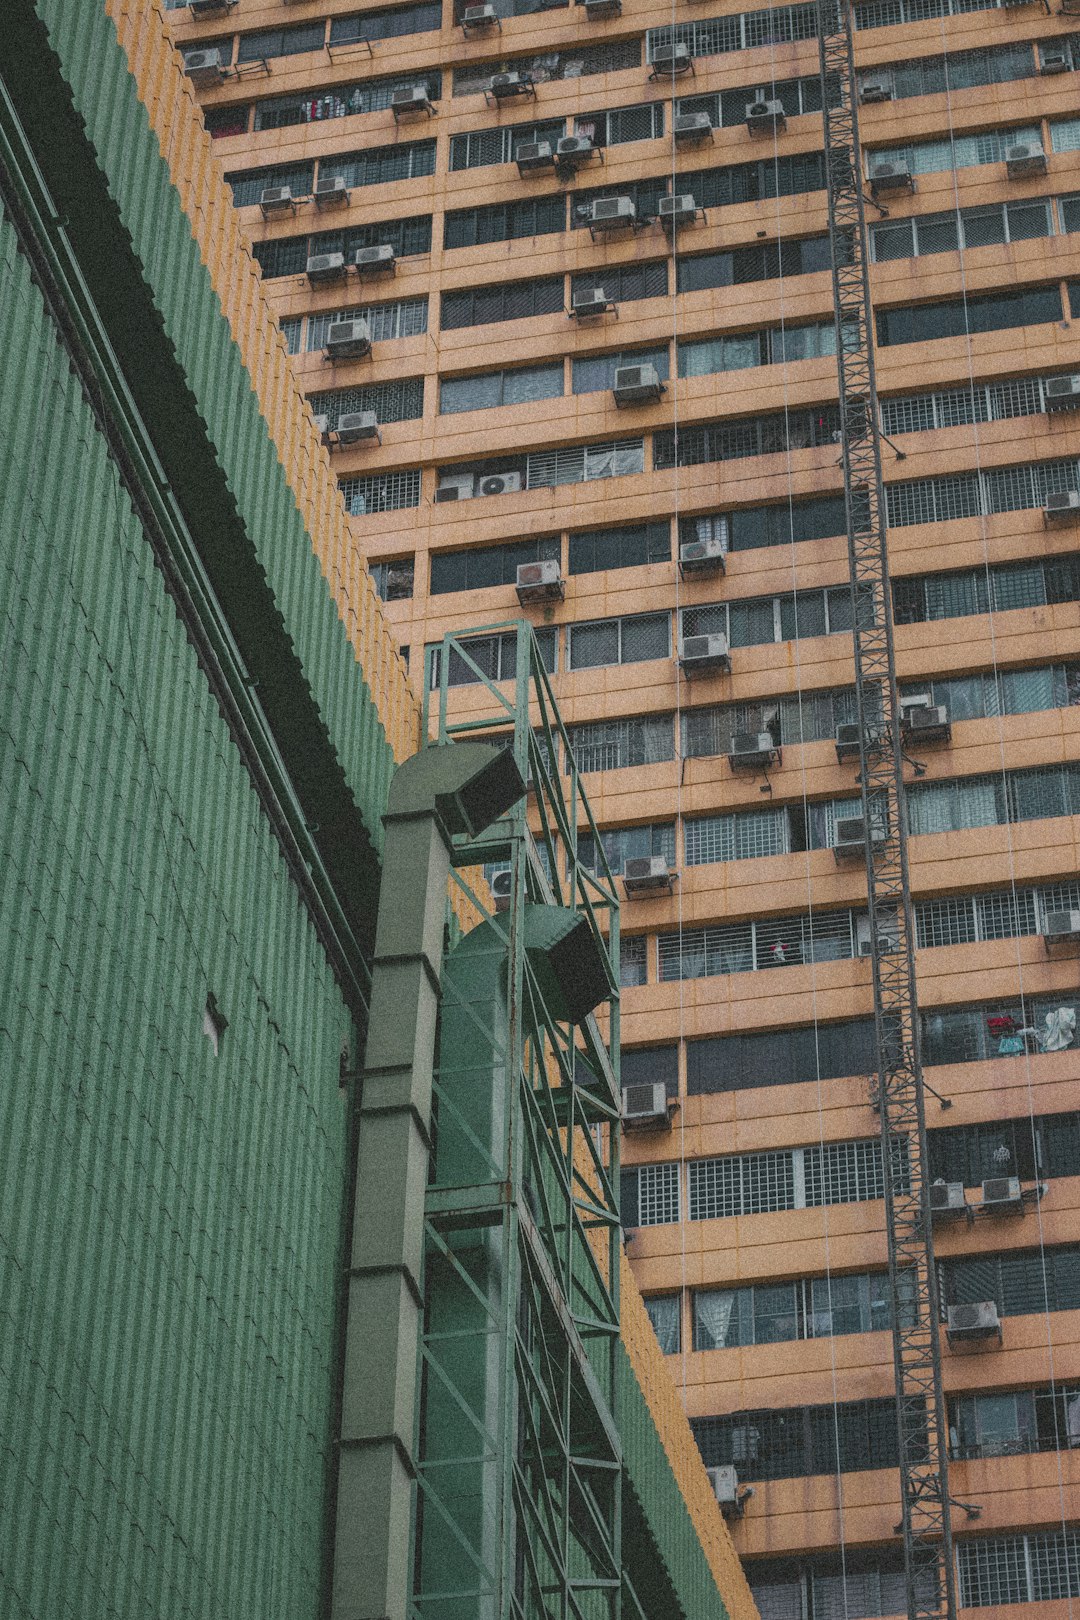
pixel 920 1406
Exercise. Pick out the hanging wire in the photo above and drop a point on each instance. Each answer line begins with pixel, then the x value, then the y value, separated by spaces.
pixel 1003 772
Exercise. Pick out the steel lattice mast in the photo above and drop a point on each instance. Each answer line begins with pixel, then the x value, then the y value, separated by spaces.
pixel 920 1406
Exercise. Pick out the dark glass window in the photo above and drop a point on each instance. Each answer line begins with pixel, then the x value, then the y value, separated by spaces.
pixel 390 23
pixel 780 1057
pixel 271 42
pixel 985 312
pixel 645 1065
pixel 505 222
pixel 592 550
pixel 797 1441
pixel 487 566
pixel 508 301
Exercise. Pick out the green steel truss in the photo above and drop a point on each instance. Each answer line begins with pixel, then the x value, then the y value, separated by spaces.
pixel 519 1462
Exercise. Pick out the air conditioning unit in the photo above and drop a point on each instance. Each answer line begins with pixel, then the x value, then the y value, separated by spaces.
pixel 671 59
pixel 501 886
pixel 275 199
pixel 573 151
pixel 204 67
pixel 325 267
pixel 766 117
pixel 590 301
pixel 752 750
pixel 595 10
pixel 331 192
pixel 646 1105
pixel 1062 393
pixel 637 385
pixel 456 487
pixel 1062 928
pixel 920 719
pixel 690 128
pixel 209 8
pixel 1002 1195
pixel 505 85
pixel 380 260
pixel 887 942
pixel 848 737
pixel 851 837
pixel 322 425
pixel 479 17
pixel 409 99
pixel 877 88
pixel 1062 506
pixel 887 177
pixel 610 213
pixel 702 557
pixel 540 582
pixel 507 483
pixel 348 340
pixel 356 425
pixel 966 1324
pixel 725 1484
pixel 946 1199
pixel 532 155
pixel 677 210
pixel 647 874
pixel 1024 159
pixel 701 655
pixel 1052 60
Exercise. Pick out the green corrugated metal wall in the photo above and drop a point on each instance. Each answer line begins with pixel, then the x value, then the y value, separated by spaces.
pixel 169 1223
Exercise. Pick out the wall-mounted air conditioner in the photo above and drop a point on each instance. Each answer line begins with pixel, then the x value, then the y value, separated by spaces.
pixel 355 426
pixel 973 1324
pixel 506 483
pixel 1061 928
pixel 458 486
pixel 1062 393
pixel 1052 60
pixel 348 340
pixel 331 192
pixel 704 655
pixel 725 1483
pixel 877 87
pixel 702 557
pixel 1002 1195
pixel 378 260
pixel 646 1105
pixel 505 86
pixel 637 385
pixel 1025 159
pixel 276 200
pixel 534 156
pixel 848 738
pixel 946 1200
pixel 888 939
pixel 209 8
pixel 851 837
pixel 573 152
pixel 674 58
pixel 689 129
pixel 752 750
pixel 680 209
pixel 923 721
pixel 598 10
pixel 647 874
pixel 590 301
pixel 766 117
pixel 204 67
pixel 501 886
pixel 411 98
pixel 475 19
pixel 889 175
pixel 610 213
pixel 540 582
pixel 1062 506
pixel 325 267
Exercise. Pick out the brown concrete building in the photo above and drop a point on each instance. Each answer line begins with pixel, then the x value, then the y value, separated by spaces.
pixel 757 1222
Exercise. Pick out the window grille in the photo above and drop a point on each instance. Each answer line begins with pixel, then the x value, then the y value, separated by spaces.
pixel 742 1184
pixel 658 1194
pixel 406 318
pixel 799 1441
pixel 382 492
pixel 631 640
pixel 642 122
pixel 288 255
pixel 962 1035
pixel 884 13
pixel 739 836
pixel 271 42
pixel 716 36
pixel 728 107
pixel 609 745
pixel 520 385
pixel 393 22
pixel 401 399
pixel 865 1586
pixel 227 120
pixel 959 407
pixel 481 148
pixel 960 70
pixel 247 188
pixel 754 436
pixel 663 1313
pixel 504 222
pixel 291 329
pixel 591 373
pixel 581 464
pixel 624 283
pixel 593 550
pixel 695 953
pixel 576 63
pixel 508 301
pixel 942 596
pixel 394 580
pixel 340 101
pixel 1043 1566
pixel 379 165
pixel 644 194
pixel 960 152
pixel 633 961
pixel 482 567
pixel 621 844
pixel 848 1172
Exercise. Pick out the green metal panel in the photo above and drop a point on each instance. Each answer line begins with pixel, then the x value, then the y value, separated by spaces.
pixel 170 1223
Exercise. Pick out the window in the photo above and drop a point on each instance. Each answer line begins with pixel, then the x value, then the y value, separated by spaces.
pixel 796 1442
pixel 728 107
pixel 790 1178
pixel 595 372
pixel 970 1154
pixel 271 42
pixel 803 717
pixel 1065 134
pixel 1016 691
pixel 983 312
pixel 715 36
pixel 624 283
pixel 644 194
pixel 966 1034
pixel 633 961
pixel 650 1195
pixel 484 567
pixel 643 1065
pixel 508 301
pixel 775 1313
pixel 865 1585
pixel 773 346
pixel 494 657
pixel 504 222
pixel 959 70
pixel 1014 1422
pixel 390 23
pixel 816 519
pixel 621 844
pixel 959 152
pixel 593 550
pixel 1035 1568
pixel 248 187
pixel 513 8
pixel 750 436
pixel 948 596
pixel 398 400
pixel 610 745
pixel 663 1313
pixel 700 953
pixel 954 407
pixel 967 227
pixel 382 492
pixel 584 463
pixel 231 120
pixel 288 255
pixel 406 318
pixel 394 580
pixel 619 641
pixel 760 619
pixel 753 182
pixel 520 386
pixel 984 801
pixel 291 328
pixel 781 1057
pixel 379 165
pixel 642 122
pixel 997 914
pixel 340 101
pixel 576 63
pixel 765 261
pixel 481 148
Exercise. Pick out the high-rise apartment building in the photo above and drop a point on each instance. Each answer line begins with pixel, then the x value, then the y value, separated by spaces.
pixel 530 349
